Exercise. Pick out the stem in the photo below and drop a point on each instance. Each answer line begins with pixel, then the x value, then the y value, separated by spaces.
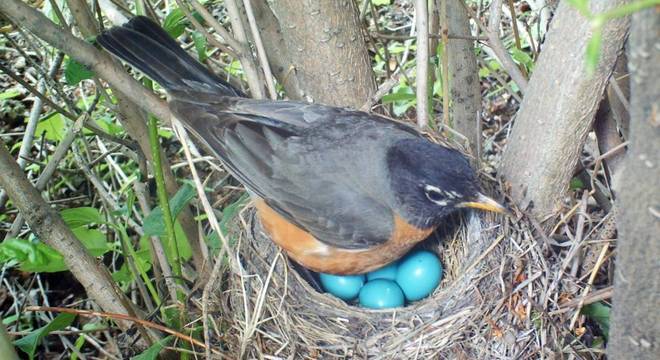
pixel 162 194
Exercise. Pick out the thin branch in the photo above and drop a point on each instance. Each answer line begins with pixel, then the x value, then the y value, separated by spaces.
pixel 84 53
pixel 246 59
pixel 33 120
pixel 431 36
pixel 124 318
pixel 261 51
pixel 422 60
pixel 495 43
pixel 52 230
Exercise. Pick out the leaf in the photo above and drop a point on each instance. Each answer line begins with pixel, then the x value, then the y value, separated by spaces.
pixel 108 125
pixel 152 352
pixel 175 23
pixel 77 217
pixel 154 224
pixel 228 214
pixel 93 240
pixel 522 58
pixel 75 72
pixel 200 45
pixel 34 256
pixel 31 256
pixel 600 313
pixel 53 126
pixel 9 94
pixel 576 184
pixel 380 2
pixel 398 96
pixel 28 343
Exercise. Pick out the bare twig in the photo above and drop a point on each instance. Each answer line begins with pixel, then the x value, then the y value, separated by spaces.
pixel 431 36
pixel 261 52
pixel 123 318
pixel 495 43
pixel 85 53
pixel 35 114
pixel 422 60
pixel 249 66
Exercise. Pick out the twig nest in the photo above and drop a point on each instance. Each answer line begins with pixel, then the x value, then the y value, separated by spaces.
pixel 276 312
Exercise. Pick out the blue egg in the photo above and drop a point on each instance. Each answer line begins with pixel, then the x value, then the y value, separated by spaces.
pixel 381 294
pixel 419 274
pixel 345 287
pixel 387 272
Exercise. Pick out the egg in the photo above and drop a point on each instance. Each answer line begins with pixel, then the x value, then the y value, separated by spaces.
pixel 387 272
pixel 381 294
pixel 345 287
pixel 419 273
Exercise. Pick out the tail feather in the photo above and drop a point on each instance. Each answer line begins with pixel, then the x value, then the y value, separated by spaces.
pixel 146 46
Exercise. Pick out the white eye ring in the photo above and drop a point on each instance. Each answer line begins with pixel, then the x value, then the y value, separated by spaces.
pixel 435 195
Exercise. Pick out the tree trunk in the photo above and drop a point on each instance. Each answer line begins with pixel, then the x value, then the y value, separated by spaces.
pixel 558 109
pixel 636 319
pixel 464 84
pixel 278 56
pixel 327 50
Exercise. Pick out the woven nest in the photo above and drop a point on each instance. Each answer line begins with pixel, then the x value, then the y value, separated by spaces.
pixel 275 312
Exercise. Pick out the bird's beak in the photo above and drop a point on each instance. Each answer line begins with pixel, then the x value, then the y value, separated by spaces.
pixel 483 202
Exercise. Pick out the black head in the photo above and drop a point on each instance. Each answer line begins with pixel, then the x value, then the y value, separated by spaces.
pixel 431 181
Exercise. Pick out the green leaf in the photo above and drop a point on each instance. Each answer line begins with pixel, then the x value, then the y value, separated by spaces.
pixel 108 124
pixel 576 184
pixel 593 50
pixel 600 313
pixel 228 214
pixel 75 72
pixel 28 343
pixel 175 23
pixel 94 240
pixel 154 224
pixel 380 2
pixel 522 58
pixel 35 256
pixel 398 96
pixel 53 126
pixel 31 256
pixel 152 352
pixel 9 94
pixel 200 45
pixel 78 217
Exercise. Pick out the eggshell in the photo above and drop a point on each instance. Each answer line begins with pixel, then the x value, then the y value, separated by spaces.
pixel 419 273
pixel 381 294
pixel 345 287
pixel 387 272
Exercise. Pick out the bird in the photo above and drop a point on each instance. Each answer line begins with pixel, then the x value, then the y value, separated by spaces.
pixel 341 191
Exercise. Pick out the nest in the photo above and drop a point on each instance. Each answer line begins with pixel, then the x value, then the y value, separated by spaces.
pixel 275 312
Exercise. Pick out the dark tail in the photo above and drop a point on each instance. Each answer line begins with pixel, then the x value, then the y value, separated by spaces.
pixel 145 45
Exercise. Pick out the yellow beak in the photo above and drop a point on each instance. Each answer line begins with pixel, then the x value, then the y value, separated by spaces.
pixel 483 202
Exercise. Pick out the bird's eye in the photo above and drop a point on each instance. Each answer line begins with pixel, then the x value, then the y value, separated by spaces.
pixel 434 194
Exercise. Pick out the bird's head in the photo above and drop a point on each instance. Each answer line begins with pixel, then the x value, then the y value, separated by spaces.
pixel 431 181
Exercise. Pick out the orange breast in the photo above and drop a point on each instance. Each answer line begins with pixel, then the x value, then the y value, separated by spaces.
pixel 315 255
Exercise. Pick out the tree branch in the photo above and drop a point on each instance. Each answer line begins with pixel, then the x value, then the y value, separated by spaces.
pixel 422 60
pixel 52 230
pixel 558 109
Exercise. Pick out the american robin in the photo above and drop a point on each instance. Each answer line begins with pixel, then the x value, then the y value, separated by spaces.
pixel 342 191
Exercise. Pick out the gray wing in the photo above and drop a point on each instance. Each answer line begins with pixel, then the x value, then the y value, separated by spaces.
pixel 293 156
